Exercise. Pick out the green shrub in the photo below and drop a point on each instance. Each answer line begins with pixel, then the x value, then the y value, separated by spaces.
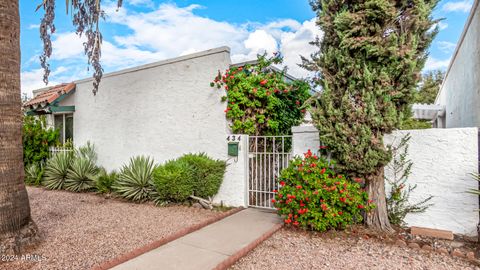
pixel 135 179
pixel 81 175
pixel 56 170
pixel 104 181
pixel 207 173
pixel 34 173
pixel 173 181
pixel 259 101
pixel 37 139
pixel 312 196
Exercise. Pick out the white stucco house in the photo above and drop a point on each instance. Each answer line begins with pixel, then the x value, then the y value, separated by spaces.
pixel 163 109
pixel 458 101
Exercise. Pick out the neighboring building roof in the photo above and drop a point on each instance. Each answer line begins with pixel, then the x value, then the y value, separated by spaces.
pixel 427 111
pixel 254 62
pixel 50 95
pixel 47 101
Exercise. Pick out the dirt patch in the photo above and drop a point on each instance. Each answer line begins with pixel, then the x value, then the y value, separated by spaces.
pixel 296 249
pixel 83 230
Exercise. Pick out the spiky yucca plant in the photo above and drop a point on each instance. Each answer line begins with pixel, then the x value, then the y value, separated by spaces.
pixel 475 191
pixel 87 151
pixel 34 173
pixel 56 170
pixel 81 175
pixel 135 179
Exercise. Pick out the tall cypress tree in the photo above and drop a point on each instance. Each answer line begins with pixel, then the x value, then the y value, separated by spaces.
pixel 368 65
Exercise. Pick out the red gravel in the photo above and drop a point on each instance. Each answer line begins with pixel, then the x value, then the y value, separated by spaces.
pixel 83 230
pixel 289 249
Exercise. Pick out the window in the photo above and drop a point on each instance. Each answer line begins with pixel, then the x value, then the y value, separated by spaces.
pixel 64 123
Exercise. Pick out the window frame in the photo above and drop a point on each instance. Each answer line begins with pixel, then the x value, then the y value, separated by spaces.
pixel 64 114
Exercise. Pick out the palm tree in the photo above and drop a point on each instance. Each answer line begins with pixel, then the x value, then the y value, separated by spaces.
pixel 15 220
pixel 16 225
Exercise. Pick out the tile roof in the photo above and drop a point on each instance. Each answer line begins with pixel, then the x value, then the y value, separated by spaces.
pixel 51 94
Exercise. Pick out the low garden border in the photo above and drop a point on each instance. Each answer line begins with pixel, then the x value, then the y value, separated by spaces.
pixel 141 250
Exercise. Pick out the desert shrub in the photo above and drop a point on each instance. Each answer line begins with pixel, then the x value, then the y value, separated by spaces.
pixel 104 180
pixel 398 199
pixel 135 179
pixel 207 173
pixel 81 174
pixel 173 181
pixel 34 173
pixel 56 170
pixel 37 139
pixel 313 196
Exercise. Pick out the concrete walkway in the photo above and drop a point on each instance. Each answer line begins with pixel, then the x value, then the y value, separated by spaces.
pixel 210 246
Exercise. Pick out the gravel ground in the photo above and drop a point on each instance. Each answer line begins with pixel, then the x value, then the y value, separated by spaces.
pixel 288 249
pixel 84 230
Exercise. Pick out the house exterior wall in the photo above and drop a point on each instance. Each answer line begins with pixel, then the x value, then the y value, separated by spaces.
pixel 443 160
pixel 460 91
pixel 68 101
pixel 162 110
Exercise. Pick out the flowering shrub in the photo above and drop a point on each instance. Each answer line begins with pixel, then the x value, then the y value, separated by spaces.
pixel 312 196
pixel 259 99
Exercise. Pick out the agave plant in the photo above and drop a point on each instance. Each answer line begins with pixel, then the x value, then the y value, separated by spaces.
pixel 34 173
pixel 81 175
pixel 56 170
pixel 104 180
pixel 87 152
pixel 475 191
pixel 135 181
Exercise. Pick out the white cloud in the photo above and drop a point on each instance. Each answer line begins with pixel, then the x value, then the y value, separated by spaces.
pixel 442 25
pixel 463 6
pixel 446 46
pixel 261 41
pixel 296 44
pixel 179 31
pixel 34 26
pixel 31 80
pixel 147 3
pixel 434 64
pixel 168 31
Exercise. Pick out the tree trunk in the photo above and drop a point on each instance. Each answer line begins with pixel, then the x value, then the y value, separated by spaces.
pixel 377 218
pixel 16 226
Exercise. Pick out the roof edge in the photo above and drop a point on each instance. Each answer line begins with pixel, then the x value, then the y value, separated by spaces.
pixel 223 49
pixel 254 62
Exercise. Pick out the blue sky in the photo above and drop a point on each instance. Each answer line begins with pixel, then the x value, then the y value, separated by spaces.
pixel 145 31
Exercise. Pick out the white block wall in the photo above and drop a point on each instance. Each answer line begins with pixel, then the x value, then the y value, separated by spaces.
pixel 443 160
pixel 162 110
pixel 304 138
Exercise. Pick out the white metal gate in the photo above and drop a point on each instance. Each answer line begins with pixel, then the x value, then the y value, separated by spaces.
pixel 267 156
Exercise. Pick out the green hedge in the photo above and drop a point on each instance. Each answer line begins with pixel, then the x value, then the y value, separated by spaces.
pixel 207 173
pixel 195 174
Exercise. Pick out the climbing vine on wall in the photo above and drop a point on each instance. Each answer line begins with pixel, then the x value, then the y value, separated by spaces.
pixel 260 100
